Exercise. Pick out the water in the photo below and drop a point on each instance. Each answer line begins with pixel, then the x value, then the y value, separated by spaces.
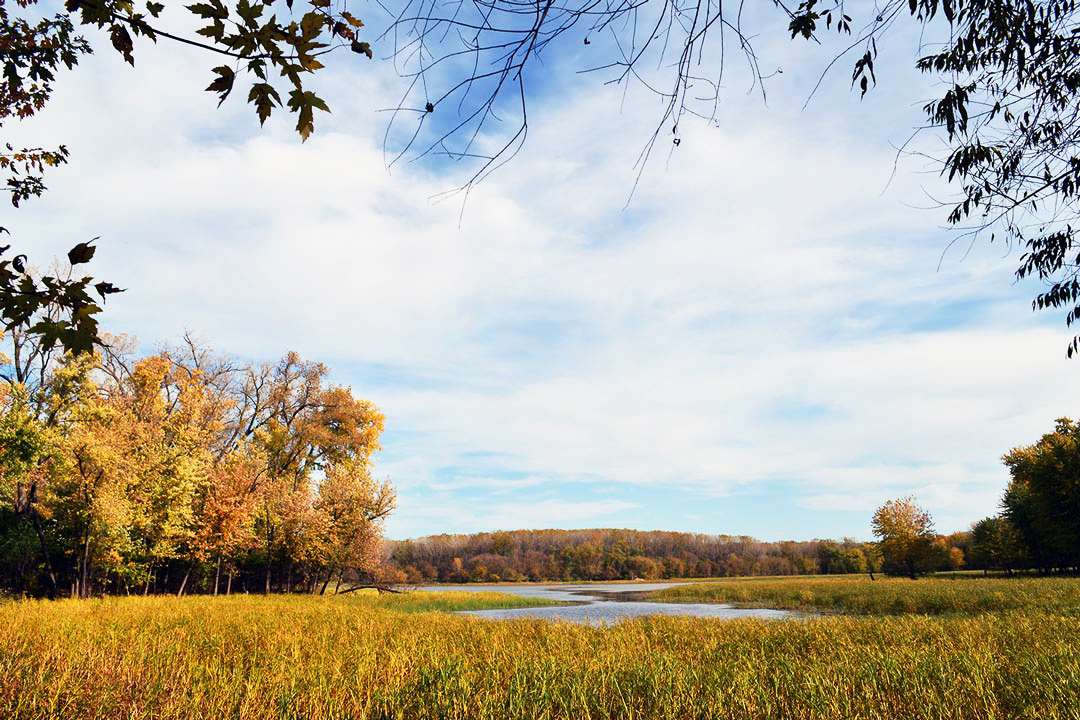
pixel 603 604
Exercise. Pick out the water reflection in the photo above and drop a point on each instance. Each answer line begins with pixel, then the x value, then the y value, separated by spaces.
pixel 599 604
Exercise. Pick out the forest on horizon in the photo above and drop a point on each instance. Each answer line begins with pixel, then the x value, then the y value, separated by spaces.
pixel 617 554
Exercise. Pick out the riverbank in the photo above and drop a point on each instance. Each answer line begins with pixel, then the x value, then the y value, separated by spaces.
pixel 858 594
pixel 605 603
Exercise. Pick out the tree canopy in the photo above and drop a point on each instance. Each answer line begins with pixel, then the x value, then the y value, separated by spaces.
pixel 273 55
pixel 1039 524
pixel 613 554
pixel 183 470
pixel 909 546
pixel 1043 498
pixel 1007 115
pixel 1008 111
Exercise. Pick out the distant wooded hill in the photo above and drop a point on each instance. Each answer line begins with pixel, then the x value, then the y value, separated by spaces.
pixel 612 554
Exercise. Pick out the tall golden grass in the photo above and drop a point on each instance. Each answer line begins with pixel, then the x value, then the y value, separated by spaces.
pixel 370 657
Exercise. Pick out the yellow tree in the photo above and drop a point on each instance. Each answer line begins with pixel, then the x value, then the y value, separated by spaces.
pixel 354 506
pixel 169 417
pixel 906 537
pixel 303 428
pixel 92 501
pixel 183 464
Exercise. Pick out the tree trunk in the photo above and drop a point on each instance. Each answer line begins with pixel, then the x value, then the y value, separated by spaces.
pixel 269 546
pixel 44 551
pixel 217 574
pixel 183 583
pixel 228 584
pixel 329 576
pixel 85 574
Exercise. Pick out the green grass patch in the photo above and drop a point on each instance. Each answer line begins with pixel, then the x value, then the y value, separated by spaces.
pixel 887 596
pixel 449 601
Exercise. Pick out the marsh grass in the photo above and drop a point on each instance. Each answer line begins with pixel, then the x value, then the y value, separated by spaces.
pixel 887 596
pixel 412 602
pixel 391 657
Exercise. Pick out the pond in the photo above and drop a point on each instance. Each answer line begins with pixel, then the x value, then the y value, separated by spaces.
pixel 601 604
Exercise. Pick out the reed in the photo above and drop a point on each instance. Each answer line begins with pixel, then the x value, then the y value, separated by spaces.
pixel 361 656
pixel 886 596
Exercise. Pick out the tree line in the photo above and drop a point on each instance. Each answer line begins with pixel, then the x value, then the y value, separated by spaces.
pixel 1038 528
pixel 182 471
pixel 615 554
pixel 1039 524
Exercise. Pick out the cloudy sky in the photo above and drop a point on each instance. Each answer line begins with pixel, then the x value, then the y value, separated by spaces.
pixel 771 337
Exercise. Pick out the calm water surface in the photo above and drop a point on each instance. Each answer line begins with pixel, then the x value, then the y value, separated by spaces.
pixel 603 604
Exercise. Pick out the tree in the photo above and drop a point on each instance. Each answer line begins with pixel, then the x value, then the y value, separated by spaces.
pixel 57 309
pixel 352 504
pixel 834 558
pixel 598 554
pixel 1008 108
pixel 997 545
pixel 35 46
pixel 1008 111
pixel 227 520
pixel 166 472
pixel 906 538
pixel 1043 498
pixel 29 452
pixel 248 34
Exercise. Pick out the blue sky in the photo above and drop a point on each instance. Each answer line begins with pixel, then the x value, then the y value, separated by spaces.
pixel 762 342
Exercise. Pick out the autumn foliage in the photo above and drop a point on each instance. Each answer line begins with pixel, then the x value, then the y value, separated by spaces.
pixel 182 472
pixel 614 554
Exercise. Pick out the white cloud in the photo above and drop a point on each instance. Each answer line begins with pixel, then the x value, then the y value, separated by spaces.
pixel 759 313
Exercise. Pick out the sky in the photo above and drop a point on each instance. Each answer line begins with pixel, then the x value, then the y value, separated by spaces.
pixel 771 337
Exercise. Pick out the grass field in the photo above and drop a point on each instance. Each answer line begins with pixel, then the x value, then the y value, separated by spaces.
pixel 887 596
pixel 363 656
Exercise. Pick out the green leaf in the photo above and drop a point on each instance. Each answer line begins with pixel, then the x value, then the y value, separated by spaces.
pixel 215 11
pixel 214 31
pixel 303 102
pixel 311 25
pixel 265 98
pixel 249 12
